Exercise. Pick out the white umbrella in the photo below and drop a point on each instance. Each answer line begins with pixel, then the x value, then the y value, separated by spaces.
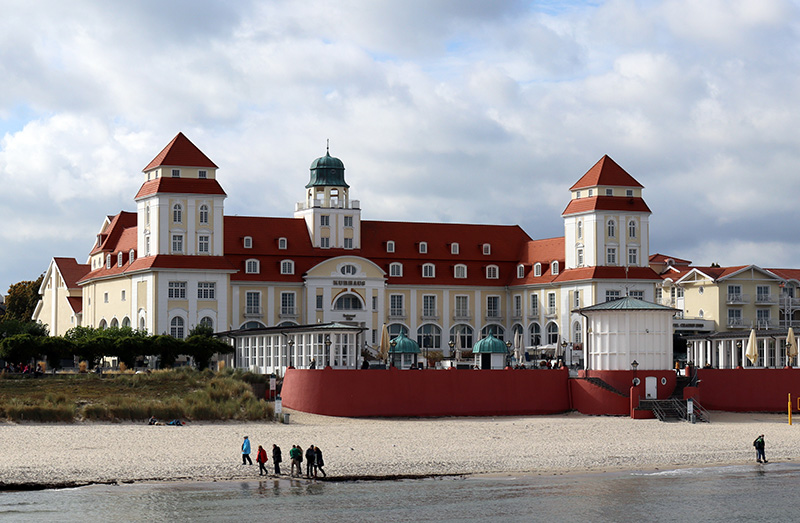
pixel 752 347
pixel 384 347
pixel 458 344
pixel 518 346
pixel 791 345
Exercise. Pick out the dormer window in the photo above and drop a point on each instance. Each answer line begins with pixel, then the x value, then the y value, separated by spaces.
pixel 492 272
pixel 609 192
pixel 487 249
pixel 176 173
pixel 287 267
pixel 252 267
pixel 202 174
pixel 131 256
pixel 629 193
pixel 177 213
pixel 520 271
pixel 591 193
pixel 454 248
pixel 423 247
pixel 537 269
pixel 119 259
pixel 577 194
pixel 428 270
pixel 396 269
pixel 460 271
pixel 108 261
pixel 248 242
pixel 554 268
pixel 390 246
pixel 282 243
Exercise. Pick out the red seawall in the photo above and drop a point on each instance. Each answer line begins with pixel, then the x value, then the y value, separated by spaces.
pixel 426 393
pixel 748 390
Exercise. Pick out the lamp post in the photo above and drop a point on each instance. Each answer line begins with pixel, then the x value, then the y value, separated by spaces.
pixel 739 351
pixel 452 344
pixel 564 352
pixel 634 366
pixel 291 352
pixel 394 345
pixel 327 350
pixel 508 353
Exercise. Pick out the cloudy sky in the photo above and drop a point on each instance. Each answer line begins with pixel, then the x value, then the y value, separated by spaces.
pixel 458 111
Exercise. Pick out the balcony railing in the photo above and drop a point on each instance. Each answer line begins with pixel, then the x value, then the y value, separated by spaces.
pixel 766 324
pixel 551 312
pixel 766 298
pixel 253 311
pixel 354 204
pixel 493 315
pixel 462 315
pixel 737 299
pixel 396 313
pixel 430 314
pixel 533 313
pixel 289 312
pixel 735 323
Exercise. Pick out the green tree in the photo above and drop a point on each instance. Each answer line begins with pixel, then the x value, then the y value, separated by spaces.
pixel 21 300
pixel 55 349
pixel 167 348
pixel 202 348
pixel 21 348
pixel 9 327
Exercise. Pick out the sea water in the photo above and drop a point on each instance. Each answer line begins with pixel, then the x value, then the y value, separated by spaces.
pixel 732 493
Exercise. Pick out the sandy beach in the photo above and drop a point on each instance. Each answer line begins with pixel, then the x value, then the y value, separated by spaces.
pixel 82 453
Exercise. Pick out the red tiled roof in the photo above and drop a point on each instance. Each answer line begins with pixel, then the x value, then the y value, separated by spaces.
pixel 716 273
pixel 71 271
pixel 180 152
pixel 606 203
pixel 786 274
pixel 179 185
pixel 662 258
pixel 75 303
pixel 606 172
pixel 163 261
pixel 109 239
pixel 543 252
pixel 607 273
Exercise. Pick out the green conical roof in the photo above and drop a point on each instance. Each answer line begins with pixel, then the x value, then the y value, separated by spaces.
pixel 491 345
pixel 404 345
pixel 628 304
pixel 327 171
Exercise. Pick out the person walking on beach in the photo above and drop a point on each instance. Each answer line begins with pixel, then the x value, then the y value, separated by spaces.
pixel 246 451
pixel 261 459
pixel 295 455
pixel 319 462
pixel 759 445
pixel 276 459
pixel 311 458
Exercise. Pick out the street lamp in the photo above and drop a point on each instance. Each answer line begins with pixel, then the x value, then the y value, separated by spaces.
pixel 327 350
pixel 291 352
pixel 394 345
pixel 564 351
pixel 452 344
pixel 508 353
pixel 634 366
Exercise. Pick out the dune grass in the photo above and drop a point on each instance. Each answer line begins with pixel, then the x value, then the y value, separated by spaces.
pixel 182 393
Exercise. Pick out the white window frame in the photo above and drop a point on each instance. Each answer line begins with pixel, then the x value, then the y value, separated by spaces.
pixel 460 271
pixel 288 303
pixel 204 243
pixel 492 272
pixel 176 173
pixel 252 266
pixel 487 249
pixel 611 230
pixel 176 290
pixel 177 243
pixel 202 174
pixel 108 261
pixel 454 248
pixel 252 302
pixel 131 256
pixel 119 259
pixel 177 327
pixel 325 220
pixel 423 247
pixel 396 270
pixel 206 290
pixel 283 244
pixel 247 242
pixel 633 256
pixel 177 213
pixel 520 271
pixel 428 270
pixel 204 214
pixel 537 269
pixel 632 229
pixel 325 242
pixel 122 295
pixel 579 256
pixel 390 246
pixel 612 295
pixel 611 256
pixel 554 268
pixel 348 243
pixel 580 229
pixel 348 221
pixel 287 267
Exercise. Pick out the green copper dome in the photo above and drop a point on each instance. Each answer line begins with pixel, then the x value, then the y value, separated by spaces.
pixel 490 345
pixel 404 345
pixel 327 171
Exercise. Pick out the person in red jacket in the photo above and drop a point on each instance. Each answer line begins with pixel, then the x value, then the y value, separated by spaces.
pixel 261 458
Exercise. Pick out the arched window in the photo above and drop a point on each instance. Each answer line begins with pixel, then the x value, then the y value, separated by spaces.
pixel 252 267
pixel 142 325
pixel 537 269
pixel 462 336
pixel 492 272
pixel 177 213
pixel 460 271
pixel 612 229
pixel 554 268
pixel 247 241
pixel 396 269
pixel 487 249
pixel 126 322
pixel 428 270
pixel 206 321
pixel 577 334
pixel 287 267
pixel 453 248
pixel 119 259
pixel 131 256
pixel 103 324
pixel 282 244
pixel 176 327
pixel 552 333
pixel 580 229
pixel 394 330
pixel 495 330
pixel 204 214
pixel 423 247
pixel 390 246
pixel 429 336
pixel 108 261
pixel 348 302
pixel 520 271
pixel 114 324
pixel 632 229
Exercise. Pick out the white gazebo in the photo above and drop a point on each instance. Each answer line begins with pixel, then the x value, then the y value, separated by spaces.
pixel 622 331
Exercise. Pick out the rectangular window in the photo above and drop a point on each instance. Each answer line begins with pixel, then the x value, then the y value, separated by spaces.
pixel 462 306
pixel 176 173
pixel 454 248
pixel 639 295
pixel 428 270
pixel 535 304
pixel 429 306
pixel 609 192
pixel 633 256
pixel 287 303
pixel 487 249
pixel 577 299
pixel 202 174
pixel 348 243
pixel 319 302
pixel 105 297
pixel 396 305
pixel 734 317
pixel 203 243
pixel 374 303
pixel 580 257
pixel 325 243
pixel 629 193
pixel 252 303
pixel 177 243
pixel 493 306
pixel 348 221
pixel 517 306
pixel 612 295
pixel 206 290
pixel 460 271
pixel 551 301
pixel 611 256
pixel 325 220
pixel 147 246
pixel 122 296
pixel 762 294
pixel 176 290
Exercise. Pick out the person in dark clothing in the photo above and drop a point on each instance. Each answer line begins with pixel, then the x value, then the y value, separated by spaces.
pixel 246 452
pixel 319 462
pixel 313 364
pixel 311 459
pixel 276 459
pixel 261 458
pixel 761 457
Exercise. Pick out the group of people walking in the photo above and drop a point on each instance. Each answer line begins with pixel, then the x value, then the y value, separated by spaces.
pixel 313 457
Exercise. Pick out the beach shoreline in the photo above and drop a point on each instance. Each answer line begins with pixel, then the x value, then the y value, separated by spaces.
pixel 42 456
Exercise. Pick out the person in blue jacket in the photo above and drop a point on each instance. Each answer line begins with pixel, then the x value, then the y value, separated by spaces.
pixel 246 452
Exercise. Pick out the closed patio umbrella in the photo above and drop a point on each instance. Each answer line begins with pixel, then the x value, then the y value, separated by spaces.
pixel 791 345
pixel 752 347
pixel 384 347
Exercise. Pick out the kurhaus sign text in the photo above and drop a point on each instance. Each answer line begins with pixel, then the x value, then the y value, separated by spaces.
pixel 350 283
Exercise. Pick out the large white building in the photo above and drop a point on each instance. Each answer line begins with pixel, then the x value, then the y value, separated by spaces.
pixel 178 261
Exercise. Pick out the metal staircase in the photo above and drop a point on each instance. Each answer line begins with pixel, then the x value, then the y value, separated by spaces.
pixel 674 409
pixel 603 385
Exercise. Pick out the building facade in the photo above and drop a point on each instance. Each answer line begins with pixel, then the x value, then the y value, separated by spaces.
pixel 179 261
